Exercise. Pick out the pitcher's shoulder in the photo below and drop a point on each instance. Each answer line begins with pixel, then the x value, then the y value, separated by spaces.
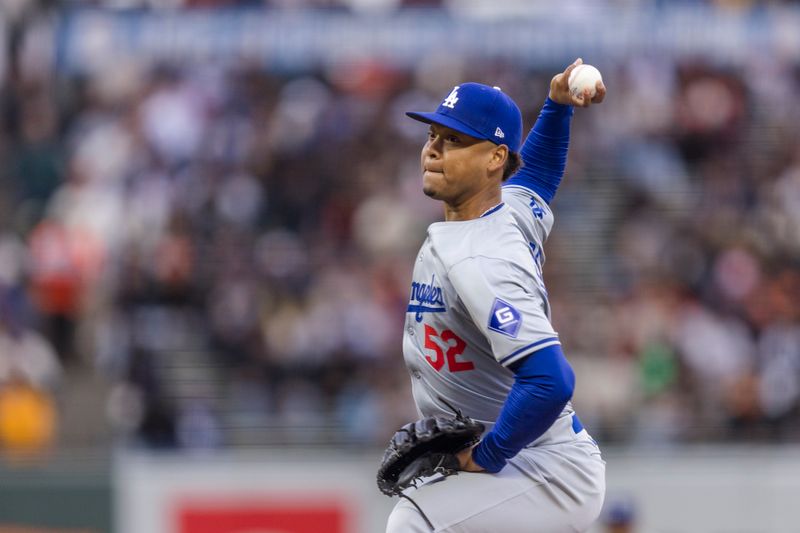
pixel 497 235
pixel 531 212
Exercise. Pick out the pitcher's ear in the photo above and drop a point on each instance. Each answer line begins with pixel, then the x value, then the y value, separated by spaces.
pixel 499 158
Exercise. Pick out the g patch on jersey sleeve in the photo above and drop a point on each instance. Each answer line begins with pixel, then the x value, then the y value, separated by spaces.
pixel 505 318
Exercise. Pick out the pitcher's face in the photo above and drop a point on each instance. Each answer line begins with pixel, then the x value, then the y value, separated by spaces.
pixel 454 164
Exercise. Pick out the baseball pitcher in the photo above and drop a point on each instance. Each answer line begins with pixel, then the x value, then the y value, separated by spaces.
pixel 478 337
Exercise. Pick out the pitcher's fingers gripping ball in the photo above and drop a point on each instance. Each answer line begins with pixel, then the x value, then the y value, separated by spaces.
pixel 584 77
pixel 580 85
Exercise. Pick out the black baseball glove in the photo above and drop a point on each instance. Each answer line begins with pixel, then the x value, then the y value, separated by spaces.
pixel 425 447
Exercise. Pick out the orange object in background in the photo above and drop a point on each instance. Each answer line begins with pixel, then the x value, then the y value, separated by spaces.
pixel 27 419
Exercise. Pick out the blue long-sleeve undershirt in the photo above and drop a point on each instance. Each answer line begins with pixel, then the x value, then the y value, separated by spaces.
pixel 543 384
pixel 544 153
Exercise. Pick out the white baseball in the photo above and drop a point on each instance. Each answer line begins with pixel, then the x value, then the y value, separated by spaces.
pixel 584 77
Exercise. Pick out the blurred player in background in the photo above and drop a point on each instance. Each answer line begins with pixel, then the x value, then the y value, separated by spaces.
pixel 478 333
pixel 620 517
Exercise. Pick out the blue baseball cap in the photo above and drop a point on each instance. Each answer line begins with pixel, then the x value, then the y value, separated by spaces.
pixel 480 111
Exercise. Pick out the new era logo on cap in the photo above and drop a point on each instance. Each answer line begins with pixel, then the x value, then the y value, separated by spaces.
pixel 480 111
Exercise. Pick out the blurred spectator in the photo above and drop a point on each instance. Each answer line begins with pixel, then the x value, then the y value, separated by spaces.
pixel 619 516
pixel 29 375
pixel 25 354
pixel 59 263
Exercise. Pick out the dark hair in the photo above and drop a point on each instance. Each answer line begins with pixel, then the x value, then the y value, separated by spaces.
pixel 513 164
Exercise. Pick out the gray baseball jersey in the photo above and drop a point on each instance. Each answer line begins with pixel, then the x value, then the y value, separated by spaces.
pixel 478 304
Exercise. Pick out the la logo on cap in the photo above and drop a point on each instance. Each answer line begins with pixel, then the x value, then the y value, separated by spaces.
pixel 452 98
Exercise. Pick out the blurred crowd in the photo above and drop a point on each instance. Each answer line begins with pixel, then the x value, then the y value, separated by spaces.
pixel 456 7
pixel 220 255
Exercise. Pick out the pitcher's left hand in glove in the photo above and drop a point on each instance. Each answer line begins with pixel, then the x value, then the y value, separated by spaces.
pixel 426 447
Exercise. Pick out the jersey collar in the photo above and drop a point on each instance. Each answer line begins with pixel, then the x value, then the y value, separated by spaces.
pixel 492 210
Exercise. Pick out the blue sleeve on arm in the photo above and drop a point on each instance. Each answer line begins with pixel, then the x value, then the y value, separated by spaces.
pixel 543 385
pixel 544 153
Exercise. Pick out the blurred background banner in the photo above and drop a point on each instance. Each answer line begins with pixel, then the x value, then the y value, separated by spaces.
pixel 209 210
pixel 90 40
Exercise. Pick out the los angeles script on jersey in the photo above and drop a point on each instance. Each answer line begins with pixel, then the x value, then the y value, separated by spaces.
pixel 425 298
